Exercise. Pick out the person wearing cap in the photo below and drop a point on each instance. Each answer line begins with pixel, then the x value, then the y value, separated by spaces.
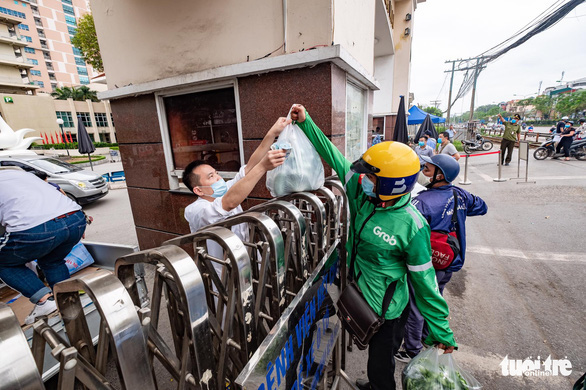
pixel 388 238
pixel 567 137
pixel 436 204
pixel 559 127
pixel 512 134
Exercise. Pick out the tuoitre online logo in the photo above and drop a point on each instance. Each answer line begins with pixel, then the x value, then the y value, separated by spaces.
pixel 536 367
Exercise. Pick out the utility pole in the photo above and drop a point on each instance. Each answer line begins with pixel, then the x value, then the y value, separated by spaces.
pixel 539 88
pixel 474 89
pixel 450 95
pixel 435 103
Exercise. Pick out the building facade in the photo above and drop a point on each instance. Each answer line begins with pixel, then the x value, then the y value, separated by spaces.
pixel 208 79
pixel 41 112
pixel 40 33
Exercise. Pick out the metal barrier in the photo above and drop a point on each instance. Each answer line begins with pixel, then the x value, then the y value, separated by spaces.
pixel 293 229
pixel 498 179
pixel 14 347
pixel 179 281
pixel 229 297
pixel 121 333
pixel 316 220
pixel 236 309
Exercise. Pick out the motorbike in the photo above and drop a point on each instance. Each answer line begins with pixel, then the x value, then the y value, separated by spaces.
pixel 547 149
pixel 479 143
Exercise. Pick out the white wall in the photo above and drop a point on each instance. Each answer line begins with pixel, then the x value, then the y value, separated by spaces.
pixel 354 29
pixel 147 40
pixel 383 73
pixel 402 70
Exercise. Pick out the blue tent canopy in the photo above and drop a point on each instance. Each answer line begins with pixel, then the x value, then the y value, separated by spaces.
pixel 416 116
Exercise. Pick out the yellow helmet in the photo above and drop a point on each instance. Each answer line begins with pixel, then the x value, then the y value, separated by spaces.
pixel 395 165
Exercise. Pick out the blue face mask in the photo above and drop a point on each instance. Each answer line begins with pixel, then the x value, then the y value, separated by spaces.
pixel 567 126
pixel 439 140
pixel 220 188
pixel 514 121
pixel 421 143
pixel 368 187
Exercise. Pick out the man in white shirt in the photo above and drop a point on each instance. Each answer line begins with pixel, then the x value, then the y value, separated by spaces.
pixel 451 132
pixel 446 147
pixel 40 224
pixel 217 199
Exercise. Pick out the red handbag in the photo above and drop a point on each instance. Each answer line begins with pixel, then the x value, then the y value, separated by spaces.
pixel 444 245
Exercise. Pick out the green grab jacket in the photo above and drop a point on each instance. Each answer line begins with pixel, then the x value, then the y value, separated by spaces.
pixel 393 240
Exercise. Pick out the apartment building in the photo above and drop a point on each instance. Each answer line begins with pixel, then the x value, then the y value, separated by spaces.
pixel 206 80
pixel 40 32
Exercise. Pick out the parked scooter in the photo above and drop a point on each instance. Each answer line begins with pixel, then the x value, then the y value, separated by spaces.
pixel 478 144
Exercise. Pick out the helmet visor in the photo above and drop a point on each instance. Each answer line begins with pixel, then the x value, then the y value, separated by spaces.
pixel 361 166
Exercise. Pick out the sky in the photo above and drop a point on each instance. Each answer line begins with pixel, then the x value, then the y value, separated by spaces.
pixel 453 29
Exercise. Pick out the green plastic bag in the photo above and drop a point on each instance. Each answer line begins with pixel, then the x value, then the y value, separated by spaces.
pixel 434 370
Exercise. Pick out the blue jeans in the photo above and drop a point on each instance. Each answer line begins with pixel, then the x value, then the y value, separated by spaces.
pixel 48 243
pixel 415 329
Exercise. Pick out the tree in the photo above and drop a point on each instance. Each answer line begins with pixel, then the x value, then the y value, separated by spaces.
pixel 86 40
pixel 79 94
pixel 432 110
pixel 571 103
pixel 544 104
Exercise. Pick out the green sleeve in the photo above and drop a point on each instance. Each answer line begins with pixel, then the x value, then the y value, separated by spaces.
pixel 428 299
pixel 333 157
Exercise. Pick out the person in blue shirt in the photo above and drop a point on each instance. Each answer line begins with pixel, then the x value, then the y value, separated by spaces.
pixel 436 204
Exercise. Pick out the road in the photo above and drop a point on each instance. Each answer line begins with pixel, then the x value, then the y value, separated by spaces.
pixel 521 293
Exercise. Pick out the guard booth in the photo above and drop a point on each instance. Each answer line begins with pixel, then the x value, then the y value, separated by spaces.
pixel 255 313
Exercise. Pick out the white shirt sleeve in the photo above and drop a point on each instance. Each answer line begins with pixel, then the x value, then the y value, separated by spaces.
pixel 241 173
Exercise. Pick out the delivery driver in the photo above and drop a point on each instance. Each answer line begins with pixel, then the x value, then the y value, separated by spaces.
pixel 394 238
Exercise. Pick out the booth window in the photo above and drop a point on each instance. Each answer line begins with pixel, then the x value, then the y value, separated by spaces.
pixel 204 126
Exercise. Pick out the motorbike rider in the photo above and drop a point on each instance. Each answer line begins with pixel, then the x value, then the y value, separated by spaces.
pixel 581 131
pixel 567 137
pixel 441 170
pixel 388 238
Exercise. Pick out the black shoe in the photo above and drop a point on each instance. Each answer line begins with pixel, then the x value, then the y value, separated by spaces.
pixel 363 384
pixel 507 164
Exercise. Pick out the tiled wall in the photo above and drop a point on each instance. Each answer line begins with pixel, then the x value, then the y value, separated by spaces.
pixel 158 213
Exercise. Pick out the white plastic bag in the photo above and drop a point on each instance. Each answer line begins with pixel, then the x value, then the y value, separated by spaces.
pixel 302 170
pixel 434 370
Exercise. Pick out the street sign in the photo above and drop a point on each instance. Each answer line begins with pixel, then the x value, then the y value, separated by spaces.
pixel 8 99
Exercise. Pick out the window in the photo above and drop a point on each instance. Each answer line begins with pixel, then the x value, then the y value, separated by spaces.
pixel 12 12
pixel 29 50
pixel 28 39
pixel 82 71
pixel 39 83
pixel 72 30
pixel 68 10
pixel 85 118
pixel 79 61
pixel 112 119
pixel 70 20
pixel 84 80
pixel 66 116
pixel 204 125
pixel 23 27
pixel 76 51
pixel 101 119
pixel 355 121
pixel 67 2
pixel 92 136
pixel 36 72
pixel 34 62
pixel 73 136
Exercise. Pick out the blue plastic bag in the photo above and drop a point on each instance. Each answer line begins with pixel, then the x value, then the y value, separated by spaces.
pixel 78 259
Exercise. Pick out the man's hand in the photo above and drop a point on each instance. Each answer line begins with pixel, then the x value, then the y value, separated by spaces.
pixel 273 159
pixel 298 113
pixel 447 349
pixel 279 126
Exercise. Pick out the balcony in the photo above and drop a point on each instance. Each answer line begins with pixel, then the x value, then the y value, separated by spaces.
pixel 9 19
pixel 16 62
pixel 15 83
pixel 44 46
pixel 13 40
